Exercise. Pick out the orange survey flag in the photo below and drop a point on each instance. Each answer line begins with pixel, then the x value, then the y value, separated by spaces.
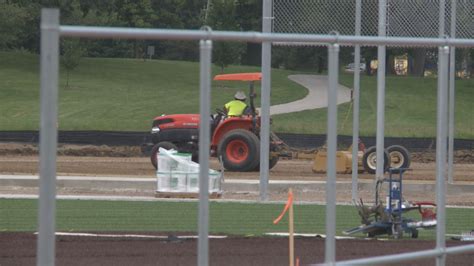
pixel 289 202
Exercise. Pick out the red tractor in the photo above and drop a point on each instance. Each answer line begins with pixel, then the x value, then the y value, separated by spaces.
pixel 235 140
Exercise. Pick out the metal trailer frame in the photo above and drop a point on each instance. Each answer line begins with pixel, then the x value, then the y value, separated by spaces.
pixel 50 33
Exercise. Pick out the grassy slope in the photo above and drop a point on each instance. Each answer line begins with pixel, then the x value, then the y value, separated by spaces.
pixel 227 218
pixel 410 109
pixel 117 94
pixel 125 94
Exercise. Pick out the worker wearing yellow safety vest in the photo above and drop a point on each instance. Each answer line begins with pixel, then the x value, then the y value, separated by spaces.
pixel 237 106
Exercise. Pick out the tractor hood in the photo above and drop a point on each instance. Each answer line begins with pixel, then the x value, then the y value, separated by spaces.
pixel 176 121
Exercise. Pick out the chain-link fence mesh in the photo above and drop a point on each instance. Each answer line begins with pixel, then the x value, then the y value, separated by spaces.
pixel 404 17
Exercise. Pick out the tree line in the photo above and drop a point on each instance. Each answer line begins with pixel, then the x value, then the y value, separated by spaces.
pixel 19 30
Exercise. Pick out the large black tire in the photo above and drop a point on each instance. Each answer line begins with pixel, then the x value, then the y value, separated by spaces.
pixel 369 160
pixel 154 152
pixel 239 150
pixel 272 162
pixel 399 157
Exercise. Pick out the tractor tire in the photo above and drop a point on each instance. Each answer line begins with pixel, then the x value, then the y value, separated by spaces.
pixel 239 150
pixel 399 157
pixel 273 161
pixel 154 151
pixel 369 160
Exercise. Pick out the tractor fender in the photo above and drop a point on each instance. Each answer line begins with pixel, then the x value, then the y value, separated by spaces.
pixel 228 125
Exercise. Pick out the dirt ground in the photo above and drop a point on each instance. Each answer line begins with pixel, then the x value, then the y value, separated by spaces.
pixel 20 248
pixel 124 161
pixel 130 161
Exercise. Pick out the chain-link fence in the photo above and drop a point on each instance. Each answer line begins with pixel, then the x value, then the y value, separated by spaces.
pixel 404 17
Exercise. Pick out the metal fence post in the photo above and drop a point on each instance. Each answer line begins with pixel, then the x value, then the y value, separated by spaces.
pixel 355 118
pixel 441 135
pixel 452 99
pixel 333 68
pixel 443 54
pixel 48 136
pixel 381 51
pixel 265 101
pixel 204 142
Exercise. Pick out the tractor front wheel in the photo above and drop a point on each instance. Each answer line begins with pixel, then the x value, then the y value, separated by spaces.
pixel 240 150
pixel 154 152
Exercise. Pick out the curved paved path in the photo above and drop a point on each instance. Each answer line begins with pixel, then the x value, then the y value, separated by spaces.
pixel 317 86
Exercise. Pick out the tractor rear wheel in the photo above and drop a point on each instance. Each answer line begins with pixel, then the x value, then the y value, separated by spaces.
pixel 272 162
pixel 399 157
pixel 155 150
pixel 240 150
pixel 369 160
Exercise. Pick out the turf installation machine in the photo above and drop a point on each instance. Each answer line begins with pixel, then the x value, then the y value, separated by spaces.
pixel 391 218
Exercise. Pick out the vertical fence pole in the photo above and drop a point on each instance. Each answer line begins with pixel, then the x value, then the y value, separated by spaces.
pixel 204 139
pixel 333 67
pixel 441 132
pixel 443 54
pixel 265 101
pixel 381 51
pixel 452 100
pixel 48 136
pixel 355 118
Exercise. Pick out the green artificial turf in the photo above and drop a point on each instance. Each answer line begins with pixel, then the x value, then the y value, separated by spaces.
pixel 225 218
pixel 126 94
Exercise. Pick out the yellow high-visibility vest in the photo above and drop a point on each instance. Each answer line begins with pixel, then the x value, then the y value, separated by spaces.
pixel 235 108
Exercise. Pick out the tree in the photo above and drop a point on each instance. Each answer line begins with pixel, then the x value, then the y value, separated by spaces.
pixel 11 25
pixel 222 17
pixel 136 13
pixel 70 57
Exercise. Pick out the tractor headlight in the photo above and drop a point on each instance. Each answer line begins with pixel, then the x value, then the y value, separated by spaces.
pixel 155 130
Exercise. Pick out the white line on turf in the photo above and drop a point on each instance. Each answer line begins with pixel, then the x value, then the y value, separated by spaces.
pixel 319 236
pixel 133 236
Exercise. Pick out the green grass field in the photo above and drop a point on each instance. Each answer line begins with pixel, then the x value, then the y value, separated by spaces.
pixel 126 94
pixel 225 218
pixel 410 109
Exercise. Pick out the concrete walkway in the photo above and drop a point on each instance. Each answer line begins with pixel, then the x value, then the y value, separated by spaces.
pixel 317 86
pixel 11 186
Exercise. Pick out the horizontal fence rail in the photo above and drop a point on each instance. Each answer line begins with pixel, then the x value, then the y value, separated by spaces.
pixel 408 256
pixel 166 34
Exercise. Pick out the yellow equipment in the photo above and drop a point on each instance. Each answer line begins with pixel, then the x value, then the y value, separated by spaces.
pixel 343 162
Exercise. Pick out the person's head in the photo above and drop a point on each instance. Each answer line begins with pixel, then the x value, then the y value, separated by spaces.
pixel 240 95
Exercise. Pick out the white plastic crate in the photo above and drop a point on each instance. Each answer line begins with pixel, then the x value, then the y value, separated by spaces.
pixel 178 173
pixel 178 181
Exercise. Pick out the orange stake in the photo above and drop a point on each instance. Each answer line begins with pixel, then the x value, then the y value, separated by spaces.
pixel 289 206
